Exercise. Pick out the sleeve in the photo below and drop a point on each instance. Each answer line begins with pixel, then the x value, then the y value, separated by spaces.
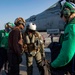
pixel 68 48
pixel 16 45
pixel 42 45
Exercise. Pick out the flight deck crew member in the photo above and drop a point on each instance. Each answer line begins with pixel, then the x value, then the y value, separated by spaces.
pixel 34 48
pixel 15 46
pixel 4 43
pixel 67 51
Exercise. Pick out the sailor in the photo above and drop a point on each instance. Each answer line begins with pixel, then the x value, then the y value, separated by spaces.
pixel 34 48
pixel 67 51
pixel 4 43
pixel 15 43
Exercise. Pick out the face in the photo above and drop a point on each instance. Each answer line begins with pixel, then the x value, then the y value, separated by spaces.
pixel 31 32
pixel 7 28
pixel 22 26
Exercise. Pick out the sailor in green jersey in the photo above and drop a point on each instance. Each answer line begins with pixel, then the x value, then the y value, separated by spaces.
pixel 4 35
pixel 4 42
pixel 67 51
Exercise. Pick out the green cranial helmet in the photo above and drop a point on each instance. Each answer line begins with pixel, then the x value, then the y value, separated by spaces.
pixel 9 25
pixel 67 9
pixel 70 6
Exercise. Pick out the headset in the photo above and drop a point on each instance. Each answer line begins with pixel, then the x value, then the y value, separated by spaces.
pixel 66 12
pixel 68 9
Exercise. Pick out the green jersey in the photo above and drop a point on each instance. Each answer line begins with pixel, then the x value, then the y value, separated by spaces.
pixel 68 46
pixel 4 39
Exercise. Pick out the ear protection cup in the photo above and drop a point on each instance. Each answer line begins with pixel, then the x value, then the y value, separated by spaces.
pixel 66 12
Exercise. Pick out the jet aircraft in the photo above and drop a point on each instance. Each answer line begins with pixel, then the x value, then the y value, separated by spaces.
pixel 48 19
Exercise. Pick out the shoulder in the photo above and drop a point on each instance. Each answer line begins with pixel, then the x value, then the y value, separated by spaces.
pixel 37 34
pixel 16 30
pixel 2 31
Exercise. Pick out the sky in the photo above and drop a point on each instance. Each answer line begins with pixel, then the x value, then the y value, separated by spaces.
pixel 11 9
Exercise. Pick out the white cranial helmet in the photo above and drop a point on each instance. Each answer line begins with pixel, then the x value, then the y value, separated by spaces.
pixel 32 26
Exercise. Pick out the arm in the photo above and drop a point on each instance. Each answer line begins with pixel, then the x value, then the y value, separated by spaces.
pixel 16 45
pixel 42 45
pixel 68 48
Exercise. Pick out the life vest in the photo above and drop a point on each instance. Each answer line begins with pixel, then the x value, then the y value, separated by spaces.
pixel 33 43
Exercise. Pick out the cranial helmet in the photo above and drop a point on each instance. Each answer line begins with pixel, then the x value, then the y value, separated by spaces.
pixel 9 25
pixel 31 26
pixel 68 8
pixel 19 21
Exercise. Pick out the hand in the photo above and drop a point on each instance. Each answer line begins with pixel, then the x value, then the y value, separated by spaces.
pixel 25 48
